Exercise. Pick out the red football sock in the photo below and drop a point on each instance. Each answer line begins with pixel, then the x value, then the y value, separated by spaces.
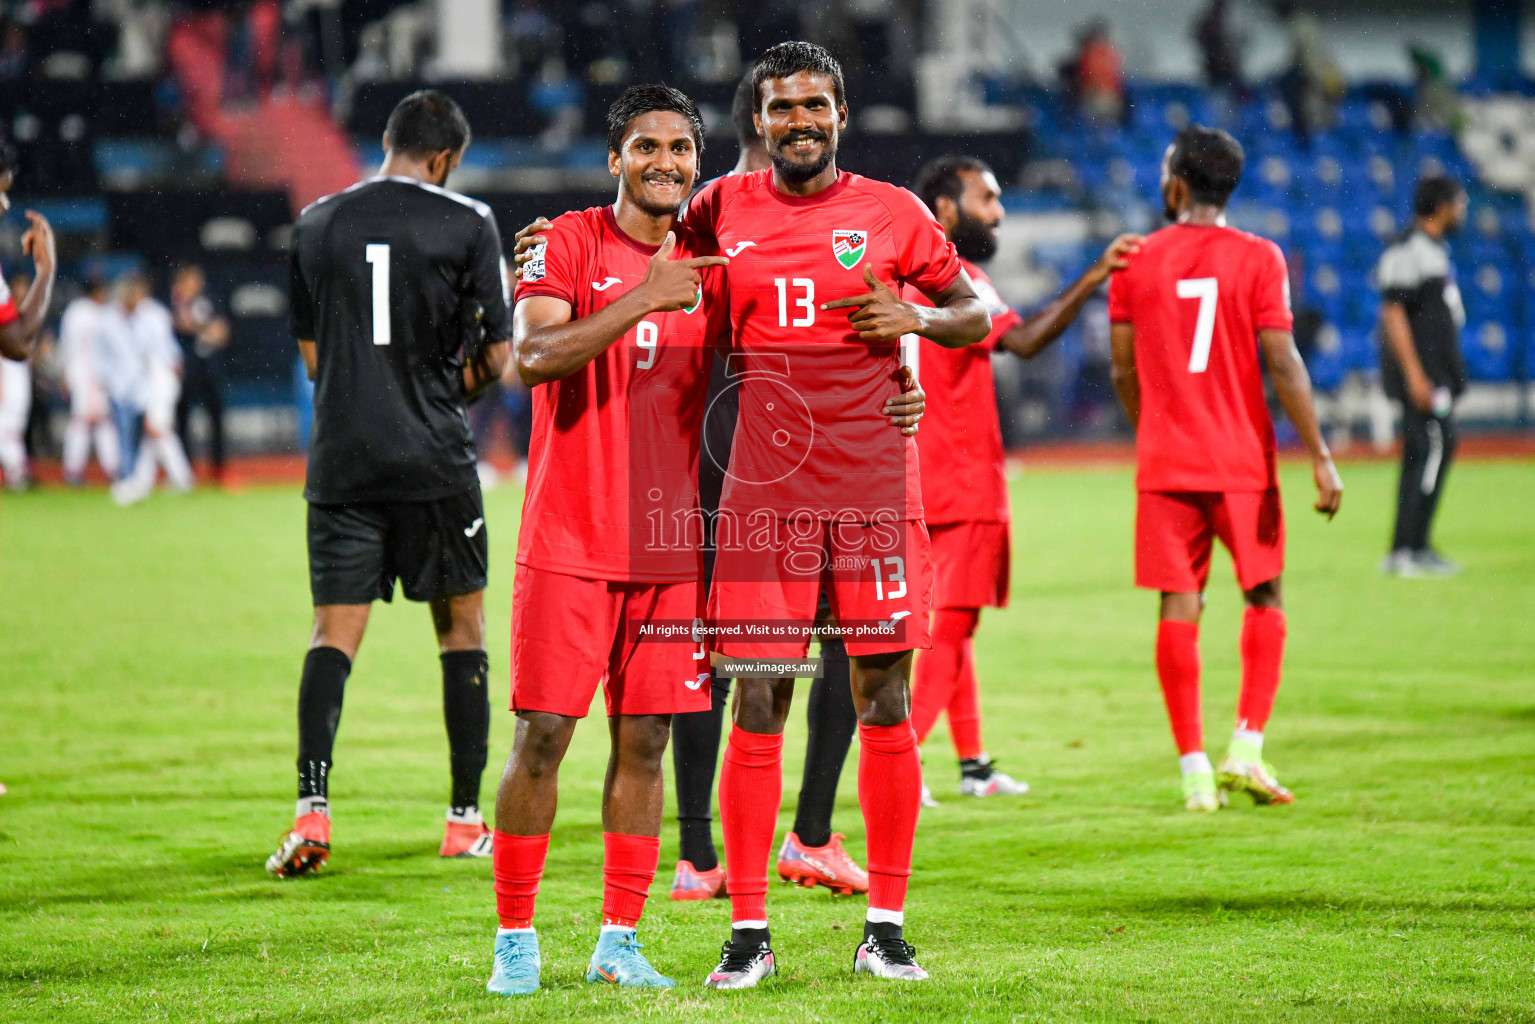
pixel 517 864
pixel 751 788
pixel 890 791
pixel 1178 672
pixel 965 709
pixel 1263 635
pixel 628 868
pixel 932 686
pixel 941 670
pixel 965 701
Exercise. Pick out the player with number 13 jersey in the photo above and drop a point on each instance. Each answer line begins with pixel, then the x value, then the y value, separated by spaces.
pixel 818 487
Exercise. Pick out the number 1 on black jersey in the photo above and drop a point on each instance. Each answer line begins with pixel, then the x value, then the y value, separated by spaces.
pixel 378 257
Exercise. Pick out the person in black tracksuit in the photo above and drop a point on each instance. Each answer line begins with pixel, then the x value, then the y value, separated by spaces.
pixel 202 334
pixel 1421 317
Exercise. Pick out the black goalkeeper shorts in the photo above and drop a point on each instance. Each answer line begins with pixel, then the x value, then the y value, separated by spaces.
pixel 434 548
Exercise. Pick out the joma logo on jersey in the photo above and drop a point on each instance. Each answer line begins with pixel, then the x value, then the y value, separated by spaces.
pixel 849 247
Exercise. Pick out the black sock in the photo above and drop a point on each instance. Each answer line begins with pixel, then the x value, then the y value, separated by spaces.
pixel 695 752
pixel 750 937
pixel 319 713
pixel 880 930
pixel 975 768
pixel 466 710
pixel 832 722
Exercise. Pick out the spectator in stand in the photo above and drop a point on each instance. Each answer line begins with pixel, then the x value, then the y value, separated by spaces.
pixel 13 49
pixel 1436 103
pixel 1097 79
pixel 1218 46
pixel 202 334
pixel 1313 84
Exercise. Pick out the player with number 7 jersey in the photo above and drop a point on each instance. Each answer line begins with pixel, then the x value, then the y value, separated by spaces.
pixel 1189 317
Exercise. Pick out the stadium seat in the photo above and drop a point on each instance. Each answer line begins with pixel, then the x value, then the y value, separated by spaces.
pixel 1487 293
pixel 1488 351
pixel 1325 362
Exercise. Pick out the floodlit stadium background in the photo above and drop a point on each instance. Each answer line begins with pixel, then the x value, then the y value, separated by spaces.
pixel 157 133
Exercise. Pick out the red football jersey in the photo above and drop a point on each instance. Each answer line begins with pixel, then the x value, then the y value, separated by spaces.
pixel 8 310
pixel 960 440
pixel 612 490
pixel 1197 297
pixel 811 439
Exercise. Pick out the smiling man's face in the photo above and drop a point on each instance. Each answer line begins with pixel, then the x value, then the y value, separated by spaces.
pixel 800 121
pixel 658 161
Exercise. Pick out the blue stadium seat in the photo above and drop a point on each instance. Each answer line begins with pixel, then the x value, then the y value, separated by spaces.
pixel 1326 363
pixel 1488 349
pixel 1358 349
pixel 1488 292
pixel 1324 290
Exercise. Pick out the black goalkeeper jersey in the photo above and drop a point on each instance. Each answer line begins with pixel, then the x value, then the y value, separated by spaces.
pixel 397 283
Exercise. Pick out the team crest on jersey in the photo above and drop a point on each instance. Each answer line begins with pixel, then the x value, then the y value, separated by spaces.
pixel 849 247
pixel 699 301
pixel 533 269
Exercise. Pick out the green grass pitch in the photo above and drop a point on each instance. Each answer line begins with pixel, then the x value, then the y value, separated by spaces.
pixel 150 660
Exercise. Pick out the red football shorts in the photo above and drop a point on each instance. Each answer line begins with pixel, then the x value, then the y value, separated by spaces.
pixel 879 576
pixel 972 564
pixel 571 634
pixel 1174 530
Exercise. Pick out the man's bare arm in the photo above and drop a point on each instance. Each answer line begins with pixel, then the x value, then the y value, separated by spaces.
pixel 955 319
pixel 1126 384
pixel 1293 385
pixel 1031 337
pixel 16 337
pixel 311 359
pixel 1393 321
pixel 548 345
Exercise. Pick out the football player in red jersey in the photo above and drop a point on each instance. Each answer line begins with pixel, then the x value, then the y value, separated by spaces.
pixel 1188 318
pixel 614 321
pixel 21 322
pixel 815 488
pixel 964 478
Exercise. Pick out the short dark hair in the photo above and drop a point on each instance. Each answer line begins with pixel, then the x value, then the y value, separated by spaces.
pixel 642 99
pixel 1434 193
pixel 1210 161
pixel 10 162
pixel 943 177
pixel 790 58
pixel 742 108
pixel 427 122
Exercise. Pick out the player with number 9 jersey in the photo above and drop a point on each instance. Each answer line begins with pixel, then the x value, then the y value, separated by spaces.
pixel 613 458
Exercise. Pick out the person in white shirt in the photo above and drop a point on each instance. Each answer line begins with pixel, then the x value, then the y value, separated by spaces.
pixel 157 388
pixel 81 344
